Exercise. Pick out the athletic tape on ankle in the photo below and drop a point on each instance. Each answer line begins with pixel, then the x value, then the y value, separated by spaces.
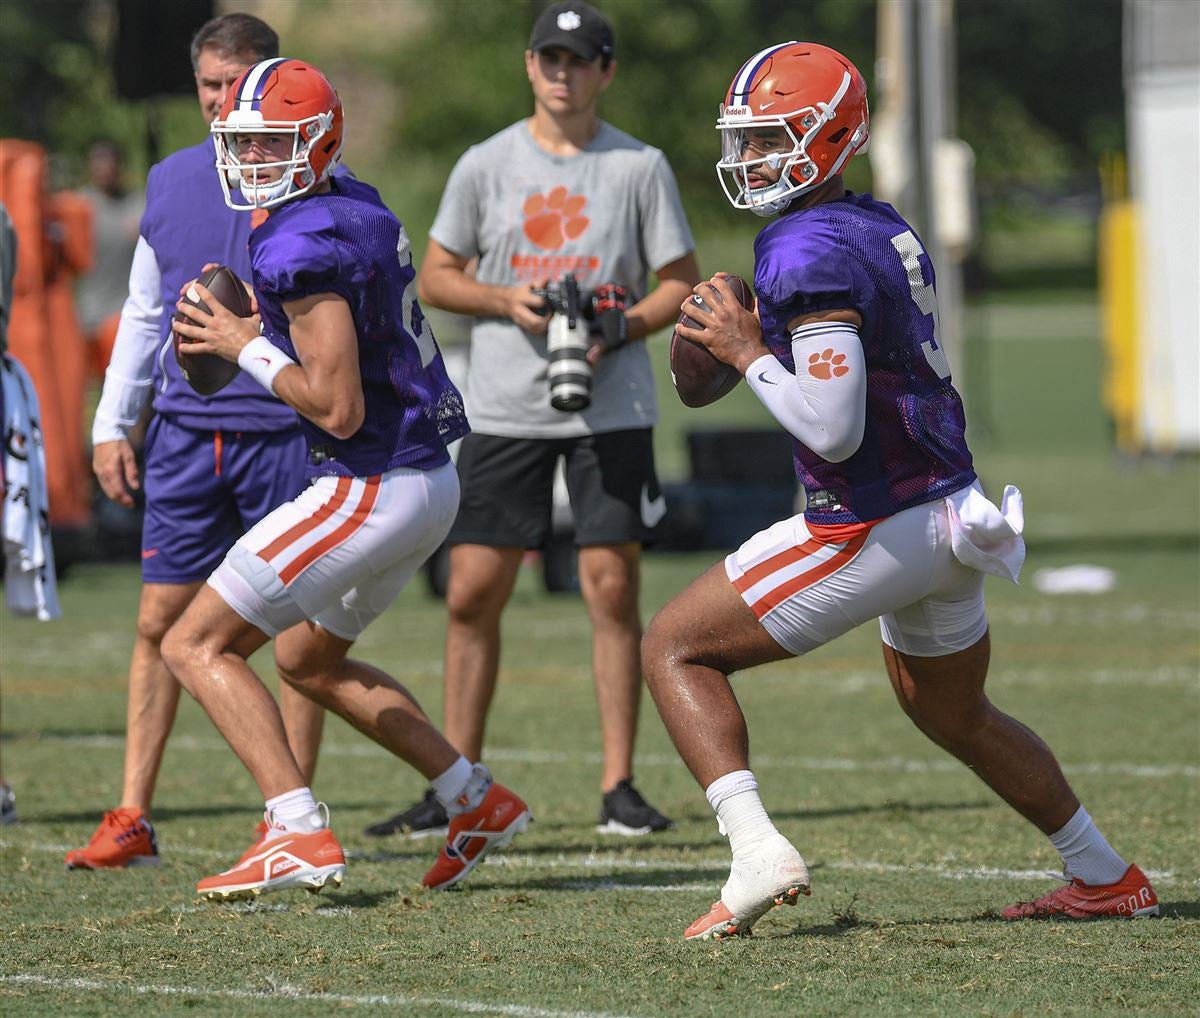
pixel 730 784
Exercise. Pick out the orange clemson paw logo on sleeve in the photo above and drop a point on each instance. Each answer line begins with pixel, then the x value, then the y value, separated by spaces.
pixel 827 364
pixel 554 218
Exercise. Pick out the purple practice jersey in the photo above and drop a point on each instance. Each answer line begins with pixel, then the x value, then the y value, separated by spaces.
pixel 187 224
pixel 347 242
pixel 857 253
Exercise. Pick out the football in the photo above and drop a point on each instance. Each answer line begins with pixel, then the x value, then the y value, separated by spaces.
pixel 699 377
pixel 205 372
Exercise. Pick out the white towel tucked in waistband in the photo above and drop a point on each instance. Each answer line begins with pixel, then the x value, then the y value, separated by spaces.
pixel 984 537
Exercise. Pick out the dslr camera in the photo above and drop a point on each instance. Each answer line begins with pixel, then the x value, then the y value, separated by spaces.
pixel 576 315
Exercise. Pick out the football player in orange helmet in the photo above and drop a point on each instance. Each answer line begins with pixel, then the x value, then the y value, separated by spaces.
pixel 842 348
pixel 793 117
pixel 339 336
pixel 298 139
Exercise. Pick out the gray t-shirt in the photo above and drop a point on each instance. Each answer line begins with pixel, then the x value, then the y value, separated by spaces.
pixel 611 213
pixel 102 291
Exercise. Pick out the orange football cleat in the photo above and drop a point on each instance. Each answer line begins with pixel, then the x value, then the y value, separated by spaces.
pixel 492 824
pixel 1128 898
pixel 720 923
pixel 773 874
pixel 124 838
pixel 291 860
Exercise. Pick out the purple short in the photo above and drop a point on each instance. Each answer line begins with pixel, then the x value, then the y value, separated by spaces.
pixel 204 489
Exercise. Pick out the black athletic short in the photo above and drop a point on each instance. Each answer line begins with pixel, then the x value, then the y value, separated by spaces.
pixel 507 488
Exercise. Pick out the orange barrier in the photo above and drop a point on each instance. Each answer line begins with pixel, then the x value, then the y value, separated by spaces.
pixel 54 245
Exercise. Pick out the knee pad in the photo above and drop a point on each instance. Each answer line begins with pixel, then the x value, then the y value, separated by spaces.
pixel 254 590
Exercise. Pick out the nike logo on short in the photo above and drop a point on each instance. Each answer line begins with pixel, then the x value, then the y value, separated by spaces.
pixel 149 552
pixel 652 511
pixel 762 377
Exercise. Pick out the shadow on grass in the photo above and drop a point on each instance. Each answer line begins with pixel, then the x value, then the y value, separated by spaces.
pixel 54 734
pixel 1179 909
pixel 890 807
pixel 847 920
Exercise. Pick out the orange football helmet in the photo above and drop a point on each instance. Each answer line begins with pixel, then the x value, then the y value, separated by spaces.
pixel 278 97
pixel 817 96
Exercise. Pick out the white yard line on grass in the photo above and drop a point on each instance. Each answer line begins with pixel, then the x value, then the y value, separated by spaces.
pixel 617 862
pixel 555 758
pixel 281 991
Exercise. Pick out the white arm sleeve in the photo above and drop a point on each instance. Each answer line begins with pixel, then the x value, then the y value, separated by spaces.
pixel 130 372
pixel 824 404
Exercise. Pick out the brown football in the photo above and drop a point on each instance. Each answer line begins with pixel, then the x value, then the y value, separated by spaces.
pixel 205 372
pixel 699 377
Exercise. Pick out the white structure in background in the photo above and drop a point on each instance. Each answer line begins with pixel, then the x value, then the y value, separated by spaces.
pixel 1162 89
pixel 916 162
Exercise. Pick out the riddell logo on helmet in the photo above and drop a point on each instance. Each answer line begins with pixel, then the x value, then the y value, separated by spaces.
pixel 738 112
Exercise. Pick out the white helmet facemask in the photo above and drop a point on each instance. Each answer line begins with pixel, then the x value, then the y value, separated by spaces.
pixel 256 185
pixel 799 172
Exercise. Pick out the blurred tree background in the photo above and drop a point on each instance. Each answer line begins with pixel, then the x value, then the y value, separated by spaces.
pixel 1039 92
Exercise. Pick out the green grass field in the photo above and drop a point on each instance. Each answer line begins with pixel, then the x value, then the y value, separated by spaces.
pixel 911 856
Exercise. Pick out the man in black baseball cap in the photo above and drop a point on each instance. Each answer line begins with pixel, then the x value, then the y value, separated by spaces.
pixel 561 191
pixel 577 27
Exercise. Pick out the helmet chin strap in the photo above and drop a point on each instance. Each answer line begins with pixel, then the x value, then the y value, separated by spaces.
pixel 260 195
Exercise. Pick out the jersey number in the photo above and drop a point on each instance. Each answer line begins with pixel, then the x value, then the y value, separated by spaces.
pixel 909 249
pixel 410 310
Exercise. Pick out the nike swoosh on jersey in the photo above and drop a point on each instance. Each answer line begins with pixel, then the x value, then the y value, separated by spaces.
pixel 652 511
pixel 762 377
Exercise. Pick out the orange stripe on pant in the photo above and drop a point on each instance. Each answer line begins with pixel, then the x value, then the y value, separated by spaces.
pixel 784 558
pixel 796 584
pixel 821 535
pixel 340 494
pixel 356 519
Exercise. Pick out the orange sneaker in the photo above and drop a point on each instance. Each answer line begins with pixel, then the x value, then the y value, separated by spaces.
pixel 492 824
pixel 1129 897
pixel 124 838
pixel 291 860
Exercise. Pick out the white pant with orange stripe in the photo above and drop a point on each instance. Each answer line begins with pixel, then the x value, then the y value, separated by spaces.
pixel 340 552
pixel 810 584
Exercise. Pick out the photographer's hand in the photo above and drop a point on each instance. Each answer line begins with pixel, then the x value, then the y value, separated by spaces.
pixel 447 281
pixel 609 327
pixel 526 308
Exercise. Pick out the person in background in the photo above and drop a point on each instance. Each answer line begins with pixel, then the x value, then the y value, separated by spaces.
pixel 116 214
pixel 559 192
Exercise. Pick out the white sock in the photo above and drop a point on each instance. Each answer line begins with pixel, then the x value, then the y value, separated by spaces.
pixel 740 812
pixel 1085 853
pixel 294 812
pixel 461 787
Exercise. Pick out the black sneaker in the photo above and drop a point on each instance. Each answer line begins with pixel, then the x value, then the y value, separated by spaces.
pixel 422 819
pixel 624 811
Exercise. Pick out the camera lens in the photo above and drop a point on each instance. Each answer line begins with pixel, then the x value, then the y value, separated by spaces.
pixel 569 373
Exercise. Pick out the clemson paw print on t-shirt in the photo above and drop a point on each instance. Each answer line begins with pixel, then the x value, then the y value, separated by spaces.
pixel 827 364
pixel 554 218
